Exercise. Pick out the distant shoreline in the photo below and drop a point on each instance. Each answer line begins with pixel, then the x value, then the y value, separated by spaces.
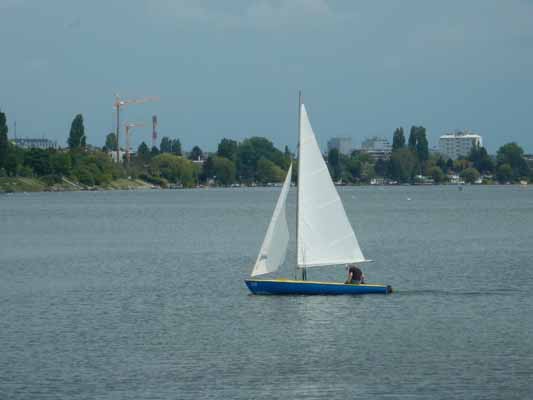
pixel 35 185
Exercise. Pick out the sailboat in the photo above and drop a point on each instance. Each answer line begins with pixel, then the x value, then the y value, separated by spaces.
pixel 324 235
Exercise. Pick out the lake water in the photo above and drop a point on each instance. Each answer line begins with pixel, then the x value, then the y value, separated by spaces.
pixel 140 295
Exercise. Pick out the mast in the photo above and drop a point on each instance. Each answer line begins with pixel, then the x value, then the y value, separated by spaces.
pixel 304 274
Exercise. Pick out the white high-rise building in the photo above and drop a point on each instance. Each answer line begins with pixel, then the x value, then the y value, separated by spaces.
pixel 343 144
pixel 458 144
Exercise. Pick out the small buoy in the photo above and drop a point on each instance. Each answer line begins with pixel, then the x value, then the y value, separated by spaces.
pixel 408 199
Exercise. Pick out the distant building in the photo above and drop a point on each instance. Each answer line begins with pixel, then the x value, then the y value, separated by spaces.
pixel 377 147
pixel 376 143
pixel 458 144
pixel 201 159
pixel 121 154
pixel 27 143
pixel 342 144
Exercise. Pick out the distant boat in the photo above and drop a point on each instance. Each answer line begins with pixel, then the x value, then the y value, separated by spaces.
pixel 324 236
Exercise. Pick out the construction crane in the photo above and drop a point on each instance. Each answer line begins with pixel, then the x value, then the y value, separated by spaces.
pixel 128 128
pixel 120 103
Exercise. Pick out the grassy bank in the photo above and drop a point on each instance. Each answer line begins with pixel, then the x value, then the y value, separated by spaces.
pixel 10 185
pixel 125 184
pixel 21 185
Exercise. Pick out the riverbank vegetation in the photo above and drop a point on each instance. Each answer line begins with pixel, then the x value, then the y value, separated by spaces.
pixel 411 162
pixel 253 161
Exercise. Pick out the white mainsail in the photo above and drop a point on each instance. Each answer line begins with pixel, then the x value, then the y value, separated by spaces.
pixel 325 236
pixel 276 240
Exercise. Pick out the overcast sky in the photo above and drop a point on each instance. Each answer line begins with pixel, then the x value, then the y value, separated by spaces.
pixel 233 68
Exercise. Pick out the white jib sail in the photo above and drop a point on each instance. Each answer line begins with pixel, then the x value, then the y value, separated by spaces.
pixel 325 236
pixel 276 240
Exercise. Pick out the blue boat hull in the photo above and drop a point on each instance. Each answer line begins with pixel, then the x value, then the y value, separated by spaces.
pixel 287 286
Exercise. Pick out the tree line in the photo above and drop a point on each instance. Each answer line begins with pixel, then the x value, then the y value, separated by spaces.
pixel 411 161
pixel 254 160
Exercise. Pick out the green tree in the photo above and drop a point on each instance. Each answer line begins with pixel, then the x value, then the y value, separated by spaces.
pixel 398 139
pixel 174 169
pixel 208 169
pixel 334 162
pixel 422 148
pixel 251 150
pixel 436 173
pixel 77 137
pixel 14 161
pixel 84 176
pixel 165 145
pixel 510 153
pixel 61 163
pixel 196 153
pixel 402 165
pixel 354 168
pixel 412 137
pixel 442 165
pixel 154 151
pixel 362 156
pixel 368 172
pixel 481 160
pixel 227 148
pixel 224 170
pixel 38 160
pixel 460 165
pixel 469 175
pixel 111 141
pixel 175 147
pixel 246 161
pixel 95 168
pixel 4 143
pixel 513 155
pixel 269 172
pixel 11 164
pixel 449 165
pixel 418 144
pixel 143 152
pixel 504 173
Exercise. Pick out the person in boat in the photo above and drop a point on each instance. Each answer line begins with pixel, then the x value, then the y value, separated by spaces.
pixel 355 275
